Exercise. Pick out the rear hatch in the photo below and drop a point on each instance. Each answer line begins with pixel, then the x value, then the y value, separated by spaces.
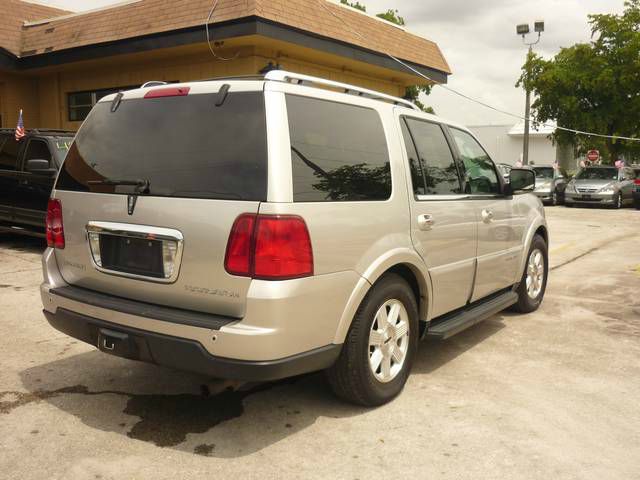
pixel 150 190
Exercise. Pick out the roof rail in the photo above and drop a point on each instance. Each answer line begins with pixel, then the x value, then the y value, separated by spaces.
pixel 153 83
pixel 299 79
pixel 38 131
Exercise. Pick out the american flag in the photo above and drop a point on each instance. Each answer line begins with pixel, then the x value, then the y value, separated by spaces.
pixel 20 128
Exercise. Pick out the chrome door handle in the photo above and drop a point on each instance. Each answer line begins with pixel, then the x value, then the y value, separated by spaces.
pixel 426 222
pixel 487 216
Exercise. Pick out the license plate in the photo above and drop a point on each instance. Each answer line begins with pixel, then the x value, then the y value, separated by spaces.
pixel 586 197
pixel 135 256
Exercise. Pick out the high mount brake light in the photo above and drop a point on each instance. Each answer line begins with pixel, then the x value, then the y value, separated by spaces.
pixel 168 92
pixel 54 225
pixel 269 247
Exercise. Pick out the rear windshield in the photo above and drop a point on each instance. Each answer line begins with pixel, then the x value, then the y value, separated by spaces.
pixel 176 146
pixel 598 174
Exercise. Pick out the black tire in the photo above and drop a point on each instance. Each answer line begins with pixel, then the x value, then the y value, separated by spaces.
pixel 527 304
pixel 617 203
pixel 351 377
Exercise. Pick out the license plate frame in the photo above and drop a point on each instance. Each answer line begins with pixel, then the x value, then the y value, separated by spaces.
pixel 168 250
pixel 134 256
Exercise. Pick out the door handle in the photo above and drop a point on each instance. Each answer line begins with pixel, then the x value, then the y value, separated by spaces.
pixel 487 216
pixel 426 222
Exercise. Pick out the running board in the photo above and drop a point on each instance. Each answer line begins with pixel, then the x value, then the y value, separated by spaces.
pixel 450 324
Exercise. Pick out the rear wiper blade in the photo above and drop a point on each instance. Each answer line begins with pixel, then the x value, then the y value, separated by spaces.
pixel 143 185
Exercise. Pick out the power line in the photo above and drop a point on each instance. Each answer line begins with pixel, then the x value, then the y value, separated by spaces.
pixel 206 25
pixel 486 105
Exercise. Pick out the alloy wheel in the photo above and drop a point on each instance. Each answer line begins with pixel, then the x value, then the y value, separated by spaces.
pixel 535 273
pixel 389 341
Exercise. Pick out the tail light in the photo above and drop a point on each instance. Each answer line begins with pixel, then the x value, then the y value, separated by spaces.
pixel 637 181
pixel 54 225
pixel 269 247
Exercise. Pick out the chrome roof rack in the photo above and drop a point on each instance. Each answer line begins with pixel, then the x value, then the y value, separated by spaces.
pixel 300 79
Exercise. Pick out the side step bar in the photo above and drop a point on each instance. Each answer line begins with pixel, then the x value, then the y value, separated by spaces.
pixel 450 324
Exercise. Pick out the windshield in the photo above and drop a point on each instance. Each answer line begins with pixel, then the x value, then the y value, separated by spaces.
pixel 179 146
pixel 544 172
pixel 598 174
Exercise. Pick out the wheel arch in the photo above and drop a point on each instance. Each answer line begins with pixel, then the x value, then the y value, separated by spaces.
pixel 405 263
pixel 537 228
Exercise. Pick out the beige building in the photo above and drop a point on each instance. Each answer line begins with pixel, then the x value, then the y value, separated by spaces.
pixel 55 65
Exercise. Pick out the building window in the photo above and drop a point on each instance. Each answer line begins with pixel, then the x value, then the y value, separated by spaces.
pixel 81 103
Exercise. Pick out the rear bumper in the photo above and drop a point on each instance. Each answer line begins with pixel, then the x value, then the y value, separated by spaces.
pixel 282 322
pixel 184 354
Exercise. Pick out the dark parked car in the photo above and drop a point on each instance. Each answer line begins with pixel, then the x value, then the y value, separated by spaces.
pixel 28 170
pixel 636 190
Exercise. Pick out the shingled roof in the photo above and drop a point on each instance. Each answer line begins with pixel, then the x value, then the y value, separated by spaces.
pixel 141 18
pixel 14 13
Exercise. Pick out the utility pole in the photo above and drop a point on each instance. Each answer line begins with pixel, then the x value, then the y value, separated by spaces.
pixel 524 30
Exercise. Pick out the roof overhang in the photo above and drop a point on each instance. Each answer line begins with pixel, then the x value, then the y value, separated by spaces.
pixel 8 61
pixel 232 29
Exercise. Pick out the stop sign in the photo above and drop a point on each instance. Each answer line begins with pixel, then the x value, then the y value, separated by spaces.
pixel 593 155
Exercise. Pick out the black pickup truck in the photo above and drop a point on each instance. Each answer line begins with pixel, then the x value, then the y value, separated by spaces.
pixel 28 169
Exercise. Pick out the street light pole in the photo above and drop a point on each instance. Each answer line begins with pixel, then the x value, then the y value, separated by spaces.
pixel 527 113
pixel 524 30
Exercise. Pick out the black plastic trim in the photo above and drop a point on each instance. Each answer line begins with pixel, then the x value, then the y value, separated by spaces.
pixel 450 324
pixel 143 309
pixel 187 355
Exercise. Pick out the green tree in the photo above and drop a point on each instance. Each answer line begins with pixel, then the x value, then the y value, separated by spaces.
pixel 594 86
pixel 356 5
pixel 392 16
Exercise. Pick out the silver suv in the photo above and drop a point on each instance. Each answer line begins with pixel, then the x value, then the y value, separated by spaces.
pixel 265 228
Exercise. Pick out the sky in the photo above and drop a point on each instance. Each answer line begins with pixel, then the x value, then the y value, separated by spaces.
pixel 478 39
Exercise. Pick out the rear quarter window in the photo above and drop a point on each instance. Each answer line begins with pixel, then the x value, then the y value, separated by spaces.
pixel 339 152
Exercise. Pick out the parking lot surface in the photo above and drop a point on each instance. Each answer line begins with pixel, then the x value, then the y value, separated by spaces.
pixel 553 394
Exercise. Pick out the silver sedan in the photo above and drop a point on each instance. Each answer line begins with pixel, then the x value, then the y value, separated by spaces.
pixel 601 185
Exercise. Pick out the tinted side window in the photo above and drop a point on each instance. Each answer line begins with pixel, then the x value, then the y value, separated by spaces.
pixel 339 152
pixel 37 150
pixel 436 159
pixel 9 154
pixel 418 179
pixel 480 171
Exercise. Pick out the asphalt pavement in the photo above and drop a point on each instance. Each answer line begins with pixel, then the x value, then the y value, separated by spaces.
pixel 550 395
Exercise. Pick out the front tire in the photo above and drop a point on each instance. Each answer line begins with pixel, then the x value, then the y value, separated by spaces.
pixel 380 347
pixel 534 279
pixel 617 202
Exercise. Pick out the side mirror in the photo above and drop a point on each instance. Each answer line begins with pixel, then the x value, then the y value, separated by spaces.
pixel 40 166
pixel 522 180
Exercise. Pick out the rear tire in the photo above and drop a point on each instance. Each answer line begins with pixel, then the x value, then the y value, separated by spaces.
pixel 356 376
pixel 534 279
